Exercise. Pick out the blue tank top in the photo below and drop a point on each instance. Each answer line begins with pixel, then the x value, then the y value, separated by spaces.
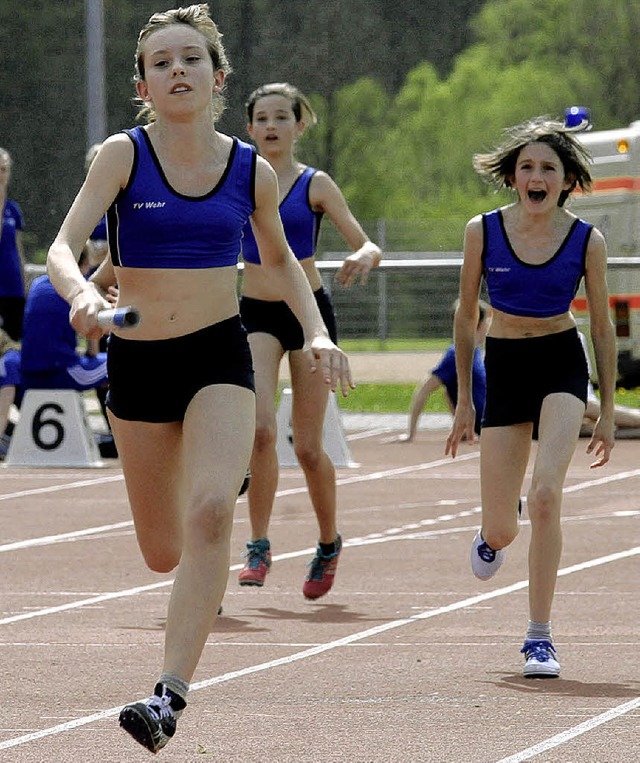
pixel 11 281
pixel 536 291
pixel 301 224
pixel 48 339
pixel 151 225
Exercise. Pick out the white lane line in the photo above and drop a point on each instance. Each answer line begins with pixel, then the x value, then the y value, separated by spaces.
pixel 321 648
pixel 565 736
pixel 57 488
pixel 129 523
pixel 46 539
pixel 291 491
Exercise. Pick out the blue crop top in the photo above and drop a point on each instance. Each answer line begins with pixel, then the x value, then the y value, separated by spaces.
pixel 151 225
pixel 301 224
pixel 536 291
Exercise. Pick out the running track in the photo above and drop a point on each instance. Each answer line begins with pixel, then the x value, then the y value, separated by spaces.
pixel 409 658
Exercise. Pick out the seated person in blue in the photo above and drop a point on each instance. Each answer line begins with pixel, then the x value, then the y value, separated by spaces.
pixel 445 374
pixel 50 357
pixel 10 389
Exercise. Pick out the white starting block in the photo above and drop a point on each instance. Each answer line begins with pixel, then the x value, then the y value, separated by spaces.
pixel 53 430
pixel 333 438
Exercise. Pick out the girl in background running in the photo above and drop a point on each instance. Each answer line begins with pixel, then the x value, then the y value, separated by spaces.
pixel 278 114
pixel 533 254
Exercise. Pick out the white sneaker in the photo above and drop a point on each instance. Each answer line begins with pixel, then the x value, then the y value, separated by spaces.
pixel 540 660
pixel 485 561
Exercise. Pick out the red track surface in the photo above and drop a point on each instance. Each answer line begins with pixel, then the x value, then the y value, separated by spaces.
pixel 409 658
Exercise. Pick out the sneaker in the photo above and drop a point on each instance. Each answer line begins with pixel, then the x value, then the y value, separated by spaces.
pixel 322 571
pixel 540 660
pixel 485 561
pixel 245 483
pixel 152 723
pixel 258 562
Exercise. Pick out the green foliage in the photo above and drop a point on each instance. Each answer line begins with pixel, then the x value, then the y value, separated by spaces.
pixel 403 104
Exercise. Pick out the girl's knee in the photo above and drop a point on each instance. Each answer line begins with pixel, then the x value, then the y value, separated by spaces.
pixel 310 457
pixel 499 537
pixel 160 559
pixel 210 520
pixel 543 504
pixel 265 437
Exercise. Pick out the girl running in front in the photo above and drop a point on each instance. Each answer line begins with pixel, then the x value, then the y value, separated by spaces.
pixel 533 254
pixel 178 195
pixel 278 114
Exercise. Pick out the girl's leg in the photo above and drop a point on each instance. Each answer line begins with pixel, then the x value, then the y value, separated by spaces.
pixel 267 353
pixel 504 454
pixel 150 455
pixel 309 403
pixel 560 421
pixel 218 436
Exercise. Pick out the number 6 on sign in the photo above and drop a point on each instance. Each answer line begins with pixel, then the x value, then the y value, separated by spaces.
pixel 43 426
pixel 53 430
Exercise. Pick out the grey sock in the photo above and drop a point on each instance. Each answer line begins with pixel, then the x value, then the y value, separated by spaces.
pixel 538 631
pixel 175 684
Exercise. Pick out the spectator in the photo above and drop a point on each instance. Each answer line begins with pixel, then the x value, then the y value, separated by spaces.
pixel 10 386
pixel 445 375
pixel 50 355
pixel 11 255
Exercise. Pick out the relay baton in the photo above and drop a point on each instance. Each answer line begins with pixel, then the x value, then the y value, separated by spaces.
pixel 119 317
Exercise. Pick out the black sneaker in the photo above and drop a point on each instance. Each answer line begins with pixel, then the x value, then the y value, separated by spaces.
pixel 153 722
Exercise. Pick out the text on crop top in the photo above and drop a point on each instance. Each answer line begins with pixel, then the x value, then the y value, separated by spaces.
pixel 520 288
pixel 151 225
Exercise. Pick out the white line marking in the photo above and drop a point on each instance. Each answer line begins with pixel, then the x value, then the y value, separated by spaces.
pixel 129 523
pixel 565 736
pixel 329 646
pixel 56 488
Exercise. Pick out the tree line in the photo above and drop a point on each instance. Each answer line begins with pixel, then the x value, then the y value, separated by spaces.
pixel 406 91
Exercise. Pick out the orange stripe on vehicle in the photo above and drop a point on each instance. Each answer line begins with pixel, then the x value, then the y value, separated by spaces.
pixel 612 184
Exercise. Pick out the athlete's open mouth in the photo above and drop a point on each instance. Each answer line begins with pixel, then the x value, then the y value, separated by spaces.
pixel 537 195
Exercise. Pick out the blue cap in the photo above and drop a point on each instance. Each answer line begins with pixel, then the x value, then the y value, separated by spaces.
pixel 577 118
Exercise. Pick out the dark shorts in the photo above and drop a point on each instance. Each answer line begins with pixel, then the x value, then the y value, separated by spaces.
pixel 522 372
pixel 155 380
pixel 277 319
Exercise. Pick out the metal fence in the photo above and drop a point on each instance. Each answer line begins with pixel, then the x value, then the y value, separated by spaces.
pixel 412 297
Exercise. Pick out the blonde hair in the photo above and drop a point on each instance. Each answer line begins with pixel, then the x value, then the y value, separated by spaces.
pixel 197 17
pixel 300 105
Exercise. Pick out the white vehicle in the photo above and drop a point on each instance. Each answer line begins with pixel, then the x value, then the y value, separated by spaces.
pixel 613 207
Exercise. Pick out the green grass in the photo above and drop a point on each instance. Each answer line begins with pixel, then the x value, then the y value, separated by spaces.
pixel 396 398
pixel 388 398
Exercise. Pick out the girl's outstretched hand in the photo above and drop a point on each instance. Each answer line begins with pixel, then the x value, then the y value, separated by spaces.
pixel 356 266
pixel 463 428
pixel 602 442
pixel 329 360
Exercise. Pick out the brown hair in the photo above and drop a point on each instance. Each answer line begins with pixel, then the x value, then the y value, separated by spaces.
pixel 499 166
pixel 300 105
